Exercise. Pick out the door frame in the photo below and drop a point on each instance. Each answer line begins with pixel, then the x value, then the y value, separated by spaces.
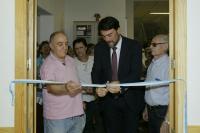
pixel 25 113
pixel 179 45
pixel 25 65
pixel 21 38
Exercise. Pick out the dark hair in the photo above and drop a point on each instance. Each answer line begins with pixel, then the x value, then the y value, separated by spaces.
pixel 90 48
pixel 54 34
pixel 78 40
pixel 108 23
pixel 40 47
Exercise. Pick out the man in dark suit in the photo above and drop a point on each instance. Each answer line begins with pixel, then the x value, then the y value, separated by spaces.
pixel 118 59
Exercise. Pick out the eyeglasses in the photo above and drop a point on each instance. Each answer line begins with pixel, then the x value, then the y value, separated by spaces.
pixel 156 44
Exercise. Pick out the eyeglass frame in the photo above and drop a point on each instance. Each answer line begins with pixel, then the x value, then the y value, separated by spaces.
pixel 156 44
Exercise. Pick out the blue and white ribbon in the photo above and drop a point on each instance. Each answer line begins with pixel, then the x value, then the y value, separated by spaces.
pixel 147 83
pixel 30 81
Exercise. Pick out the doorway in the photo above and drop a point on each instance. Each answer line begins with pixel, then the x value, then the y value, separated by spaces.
pixel 176 31
pixel 145 24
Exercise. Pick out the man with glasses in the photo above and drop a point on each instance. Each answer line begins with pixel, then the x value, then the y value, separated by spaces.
pixel 157 97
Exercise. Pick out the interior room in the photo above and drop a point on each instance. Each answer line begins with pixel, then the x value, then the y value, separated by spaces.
pixel 27 23
pixel 139 19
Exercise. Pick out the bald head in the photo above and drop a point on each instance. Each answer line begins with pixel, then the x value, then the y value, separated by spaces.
pixel 59 44
pixel 52 36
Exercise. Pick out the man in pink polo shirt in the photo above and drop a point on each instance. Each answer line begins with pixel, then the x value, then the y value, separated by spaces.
pixel 63 109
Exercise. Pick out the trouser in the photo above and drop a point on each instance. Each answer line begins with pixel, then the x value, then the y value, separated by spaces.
pixel 94 122
pixel 156 115
pixel 68 125
pixel 90 112
pixel 118 116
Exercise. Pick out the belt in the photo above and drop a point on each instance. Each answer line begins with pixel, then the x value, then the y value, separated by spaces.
pixel 156 107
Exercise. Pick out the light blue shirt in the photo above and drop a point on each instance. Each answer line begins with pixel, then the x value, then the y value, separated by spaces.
pixel 158 71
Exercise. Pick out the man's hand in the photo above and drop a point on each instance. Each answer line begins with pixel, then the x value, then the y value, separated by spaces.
pixel 73 88
pixel 87 90
pixel 114 89
pixel 145 114
pixel 101 92
pixel 165 127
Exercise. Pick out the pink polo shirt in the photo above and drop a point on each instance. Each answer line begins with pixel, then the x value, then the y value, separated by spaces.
pixel 60 107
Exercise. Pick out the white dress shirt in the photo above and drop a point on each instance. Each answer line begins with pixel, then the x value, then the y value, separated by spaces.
pixel 84 74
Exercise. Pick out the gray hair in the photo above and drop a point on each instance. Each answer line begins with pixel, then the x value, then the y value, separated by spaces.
pixel 163 37
pixel 54 34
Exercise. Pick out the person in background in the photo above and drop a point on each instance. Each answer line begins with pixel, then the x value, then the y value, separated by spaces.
pixel 84 65
pixel 118 59
pixel 63 108
pixel 70 52
pixel 90 49
pixel 157 97
pixel 42 53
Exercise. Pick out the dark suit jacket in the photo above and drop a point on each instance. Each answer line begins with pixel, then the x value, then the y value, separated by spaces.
pixel 129 68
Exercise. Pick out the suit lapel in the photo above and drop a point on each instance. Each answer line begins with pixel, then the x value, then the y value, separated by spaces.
pixel 107 59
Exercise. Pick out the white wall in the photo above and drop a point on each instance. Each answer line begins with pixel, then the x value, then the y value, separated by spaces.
pixel 45 27
pixel 193 65
pixel 53 22
pixel 79 10
pixel 7 62
pixel 84 10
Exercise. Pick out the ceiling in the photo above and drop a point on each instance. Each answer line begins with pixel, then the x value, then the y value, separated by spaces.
pixel 41 11
pixel 147 25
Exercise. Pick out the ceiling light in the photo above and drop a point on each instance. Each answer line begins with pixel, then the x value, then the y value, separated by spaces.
pixel 159 13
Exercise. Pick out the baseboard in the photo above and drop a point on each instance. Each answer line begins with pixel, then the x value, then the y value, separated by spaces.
pixel 7 129
pixel 194 129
